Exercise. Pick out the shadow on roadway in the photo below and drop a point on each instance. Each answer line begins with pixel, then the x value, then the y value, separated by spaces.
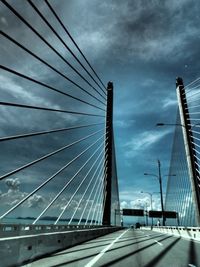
pixel 114 261
pixel 102 245
pixel 192 254
pixel 154 261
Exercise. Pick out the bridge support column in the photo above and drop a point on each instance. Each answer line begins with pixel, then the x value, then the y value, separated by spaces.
pixel 108 156
pixel 189 146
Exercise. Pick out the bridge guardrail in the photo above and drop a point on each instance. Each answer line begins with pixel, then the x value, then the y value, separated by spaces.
pixel 11 230
pixel 25 248
pixel 182 231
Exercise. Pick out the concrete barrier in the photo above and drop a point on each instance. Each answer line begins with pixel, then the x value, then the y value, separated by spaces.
pixel 186 232
pixel 15 250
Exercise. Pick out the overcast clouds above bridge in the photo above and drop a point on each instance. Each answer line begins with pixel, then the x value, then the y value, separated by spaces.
pixel 140 45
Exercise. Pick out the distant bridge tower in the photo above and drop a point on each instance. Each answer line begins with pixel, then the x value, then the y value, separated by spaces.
pixel 193 168
pixel 108 155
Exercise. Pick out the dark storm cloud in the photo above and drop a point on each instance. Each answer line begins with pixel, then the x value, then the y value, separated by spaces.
pixel 156 29
pixel 151 30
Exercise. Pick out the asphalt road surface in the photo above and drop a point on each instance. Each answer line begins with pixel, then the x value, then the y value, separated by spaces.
pixel 128 247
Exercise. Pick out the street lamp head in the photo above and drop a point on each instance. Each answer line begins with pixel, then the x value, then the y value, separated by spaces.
pixel 160 124
pixel 171 124
pixel 150 174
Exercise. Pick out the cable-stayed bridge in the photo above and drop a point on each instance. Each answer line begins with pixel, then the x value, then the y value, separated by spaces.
pixel 85 132
pixel 185 157
pixel 62 167
pixel 58 154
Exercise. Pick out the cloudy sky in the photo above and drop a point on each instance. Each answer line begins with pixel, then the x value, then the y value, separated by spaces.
pixel 142 46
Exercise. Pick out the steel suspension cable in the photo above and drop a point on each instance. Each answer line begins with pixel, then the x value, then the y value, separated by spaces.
pixel 97 179
pixel 192 101
pixel 195 138
pixel 97 190
pixel 98 217
pixel 66 46
pixel 72 39
pixel 194 92
pixel 191 95
pixel 80 201
pixel 91 204
pixel 79 186
pixel 197 170
pixel 96 208
pixel 197 159
pixel 100 211
pixel 47 155
pixel 193 113
pixel 42 185
pixel 47 86
pixel 69 182
pixel 188 85
pixel 196 151
pixel 197 125
pixel 193 119
pixel 49 65
pixel 102 198
pixel 104 201
pixel 192 89
pixel 101 181
pixel 103 206
pixel 197 164
pixel 49 109
pixel 2 139
pixel 37 33
pixel 195 144
pixel 197 106
pixel 104 193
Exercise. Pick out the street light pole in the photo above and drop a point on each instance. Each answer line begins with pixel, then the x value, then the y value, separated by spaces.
pixel 161 192
pixel 144 205
pixel 176 124
pixel 151 203
pixel 146 214
pixel 159 177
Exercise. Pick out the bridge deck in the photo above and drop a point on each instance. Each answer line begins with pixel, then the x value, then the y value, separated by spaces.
pixel 128 248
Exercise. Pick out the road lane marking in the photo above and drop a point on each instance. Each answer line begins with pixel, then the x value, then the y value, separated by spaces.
pixel 95 259
pixel 158 242
pixel 191 265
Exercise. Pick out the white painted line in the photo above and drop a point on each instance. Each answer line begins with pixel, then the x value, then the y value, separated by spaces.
pixel 95 259
pixel 158 242
pixel 191 265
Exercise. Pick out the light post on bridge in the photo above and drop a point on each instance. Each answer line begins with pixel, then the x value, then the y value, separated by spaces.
pixel 160 124
pixel 144 206
pixel 159 177
pixel 151 203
